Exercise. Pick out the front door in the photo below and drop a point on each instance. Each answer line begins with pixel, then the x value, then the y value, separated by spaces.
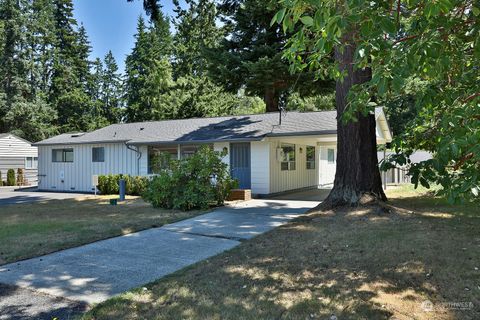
pixel 240 164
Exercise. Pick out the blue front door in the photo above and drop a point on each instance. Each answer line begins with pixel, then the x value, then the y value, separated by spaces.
pixel 240 163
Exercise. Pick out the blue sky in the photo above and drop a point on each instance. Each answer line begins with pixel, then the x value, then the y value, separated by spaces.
pixel 111 25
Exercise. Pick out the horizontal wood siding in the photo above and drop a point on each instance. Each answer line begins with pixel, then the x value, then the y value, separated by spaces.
pixel 299 178
pixel 12 147
pixel 77 175
pixel 260 167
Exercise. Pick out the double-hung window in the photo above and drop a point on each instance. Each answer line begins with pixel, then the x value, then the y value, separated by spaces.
pixel 310 157
pixel 31 163
pixel 288 157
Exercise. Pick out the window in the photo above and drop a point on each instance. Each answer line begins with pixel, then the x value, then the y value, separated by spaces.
pixel 159 157
pixel 62 155
pixel 331 155
pixel 31 163
pixel 186 151
pixel 288 157
pixel 98 154
pixel 310 157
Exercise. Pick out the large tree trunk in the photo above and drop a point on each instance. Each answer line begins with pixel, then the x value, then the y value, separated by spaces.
pixel 271 99
pixel 357 177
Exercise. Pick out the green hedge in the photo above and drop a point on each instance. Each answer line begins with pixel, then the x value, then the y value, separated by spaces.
pixel 109 184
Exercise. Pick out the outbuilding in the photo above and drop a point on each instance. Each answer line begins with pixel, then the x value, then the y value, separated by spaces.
pixel 268 153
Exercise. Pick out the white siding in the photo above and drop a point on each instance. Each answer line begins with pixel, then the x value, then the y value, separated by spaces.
pixel 77 175
pixel 327 170
pixel 143 161
pixel 10 146
pixel 260 167
pixel 299 178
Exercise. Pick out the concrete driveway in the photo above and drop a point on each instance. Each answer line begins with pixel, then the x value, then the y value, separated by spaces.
pixel 98 271
pixel 10 196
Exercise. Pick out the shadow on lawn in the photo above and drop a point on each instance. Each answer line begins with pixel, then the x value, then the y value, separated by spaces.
pixel 351 264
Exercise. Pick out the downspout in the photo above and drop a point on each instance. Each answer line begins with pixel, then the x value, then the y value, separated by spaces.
pixel 139 156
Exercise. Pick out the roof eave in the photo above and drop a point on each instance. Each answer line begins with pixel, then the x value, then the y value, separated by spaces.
pixel 39 144
pixel 175 142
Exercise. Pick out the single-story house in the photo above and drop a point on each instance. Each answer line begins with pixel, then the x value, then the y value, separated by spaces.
pixel 398 175
pixel 265 155
pixel 17 153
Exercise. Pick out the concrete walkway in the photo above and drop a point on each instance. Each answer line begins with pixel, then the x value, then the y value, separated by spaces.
pixel 98 271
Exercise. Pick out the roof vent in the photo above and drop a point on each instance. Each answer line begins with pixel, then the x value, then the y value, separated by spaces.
pixel 141 129
pixel 76 135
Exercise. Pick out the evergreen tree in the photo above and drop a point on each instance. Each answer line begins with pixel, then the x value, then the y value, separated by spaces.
pixel 13 86
pixel 111 90
pixel 251 56
pixel 69 83
pixel 196 31
pixel 148 73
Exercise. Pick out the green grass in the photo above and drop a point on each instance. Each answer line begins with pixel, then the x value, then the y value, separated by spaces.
pixel 29 230
pixel 351 263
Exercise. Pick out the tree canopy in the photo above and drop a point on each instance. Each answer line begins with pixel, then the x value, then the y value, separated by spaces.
pixel 434 45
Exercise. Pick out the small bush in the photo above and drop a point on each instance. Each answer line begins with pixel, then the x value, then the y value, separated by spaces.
pixel 10 177
pixel 109 184
pixel 20 177
pixel 192 183
pixel 1 181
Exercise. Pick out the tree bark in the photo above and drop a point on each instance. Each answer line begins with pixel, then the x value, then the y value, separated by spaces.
pixel 271 99
pixel 357 177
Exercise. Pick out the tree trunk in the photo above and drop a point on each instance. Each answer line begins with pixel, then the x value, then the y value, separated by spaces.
pixel 271 99
pixel 357 177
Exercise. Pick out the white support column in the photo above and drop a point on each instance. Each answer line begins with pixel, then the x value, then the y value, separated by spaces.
pixel 179 154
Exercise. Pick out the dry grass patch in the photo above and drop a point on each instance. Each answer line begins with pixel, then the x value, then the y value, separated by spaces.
pixel 354 264
pixel 34 229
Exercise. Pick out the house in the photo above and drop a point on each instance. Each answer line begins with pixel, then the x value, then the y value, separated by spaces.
pixel 17 153
pixel 265 155
pixel 398 175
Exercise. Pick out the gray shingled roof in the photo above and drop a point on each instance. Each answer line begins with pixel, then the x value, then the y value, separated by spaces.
pixel 232 128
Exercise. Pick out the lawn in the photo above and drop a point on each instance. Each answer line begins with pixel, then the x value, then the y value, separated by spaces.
pixel 29 230
pixel 343 264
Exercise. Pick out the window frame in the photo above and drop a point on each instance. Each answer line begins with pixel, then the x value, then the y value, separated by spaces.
pixel 64 152
pixel 102 153
pixel 34 162
pixel 311 164
pixel 330 161
pixel 288 163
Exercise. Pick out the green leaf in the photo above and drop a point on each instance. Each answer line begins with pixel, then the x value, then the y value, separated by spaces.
pixel 388 25
pixel 307 20
pixel 476 11
pixel 278 17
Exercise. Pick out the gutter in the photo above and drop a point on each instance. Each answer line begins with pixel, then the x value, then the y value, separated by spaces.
pixel 139 156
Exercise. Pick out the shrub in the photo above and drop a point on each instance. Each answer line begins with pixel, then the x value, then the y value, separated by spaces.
pixel 10 177
pixel 192 183
pixel 1 181
pixel 109 184
pixel 20 177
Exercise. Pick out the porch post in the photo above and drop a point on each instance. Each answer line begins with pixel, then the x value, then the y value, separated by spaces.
pixel 178 152
pixel 384 172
